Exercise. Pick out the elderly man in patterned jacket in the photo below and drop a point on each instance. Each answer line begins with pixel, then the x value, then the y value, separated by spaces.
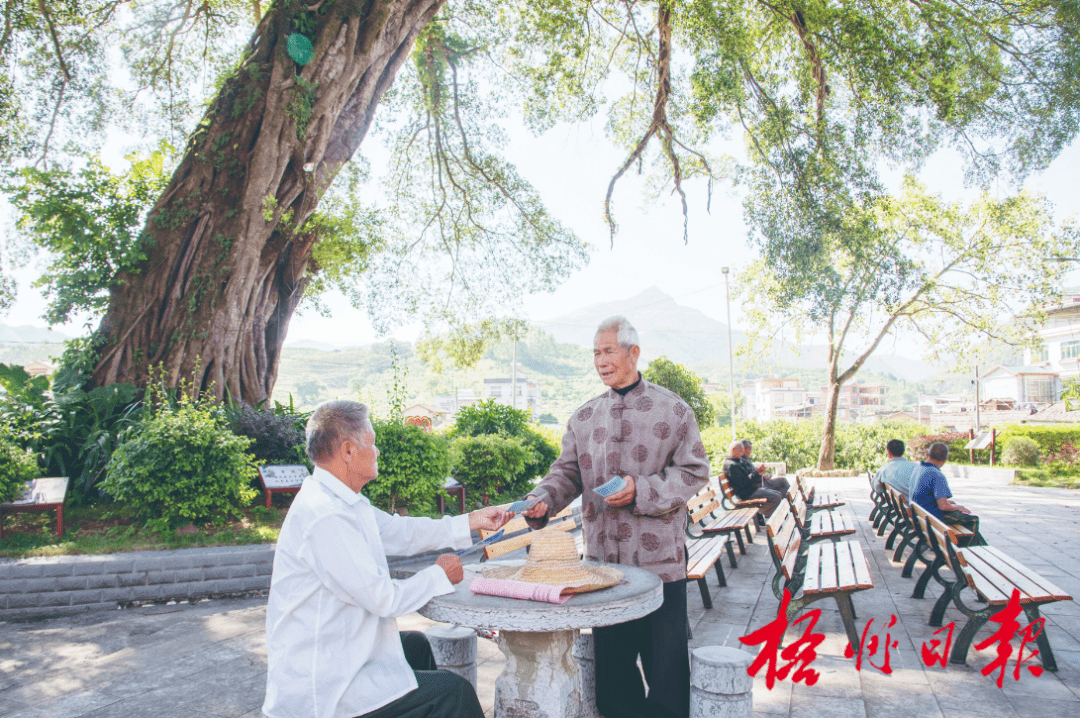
pixel 647 435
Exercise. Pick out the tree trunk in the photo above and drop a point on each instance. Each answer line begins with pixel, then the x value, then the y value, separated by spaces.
pixel 228 259
pixel 827 456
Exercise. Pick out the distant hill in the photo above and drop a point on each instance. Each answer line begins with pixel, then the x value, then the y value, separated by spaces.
pixel 691 337
pixel 26 334
pixel 22 345
pixel 666 328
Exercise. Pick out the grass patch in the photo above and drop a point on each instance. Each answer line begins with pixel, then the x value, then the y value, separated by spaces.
pixel 110 529
pixel 1043 477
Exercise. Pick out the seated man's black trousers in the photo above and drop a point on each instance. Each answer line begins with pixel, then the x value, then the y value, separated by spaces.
pixel 440 694
pixel 661 641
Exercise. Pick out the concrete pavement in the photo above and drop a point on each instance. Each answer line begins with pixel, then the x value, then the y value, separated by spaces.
pixel 208 660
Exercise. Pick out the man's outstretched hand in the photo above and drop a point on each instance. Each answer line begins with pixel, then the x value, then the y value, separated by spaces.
pixel 536 512
pixel 451 565
pixel 489 518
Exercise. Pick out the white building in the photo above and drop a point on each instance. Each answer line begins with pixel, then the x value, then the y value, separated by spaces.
pixel 768 398
pixel 1021 384
pixel 528 393
pixel 1060 335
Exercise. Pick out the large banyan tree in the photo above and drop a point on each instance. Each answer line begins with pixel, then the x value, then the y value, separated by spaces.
pixel 248 219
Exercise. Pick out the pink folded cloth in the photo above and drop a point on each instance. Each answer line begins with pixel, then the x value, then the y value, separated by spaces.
pixel 519 589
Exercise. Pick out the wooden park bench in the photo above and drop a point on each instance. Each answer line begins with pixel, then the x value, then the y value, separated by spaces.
pixel 903 532
pixel 931 552
pixel 820 524
pixel 993 576
pixel 732 502
pixel 39 495
pixel 877 514
pixel 814 500
pixel 703 553
pixel 825 570
pixel 703 550
pixel 705 511
pixel 285 479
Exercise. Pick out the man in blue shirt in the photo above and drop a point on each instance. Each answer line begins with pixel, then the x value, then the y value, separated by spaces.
pixel 930 489
pixel 897 470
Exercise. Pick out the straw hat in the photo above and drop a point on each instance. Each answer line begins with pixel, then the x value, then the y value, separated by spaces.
pixel 553 560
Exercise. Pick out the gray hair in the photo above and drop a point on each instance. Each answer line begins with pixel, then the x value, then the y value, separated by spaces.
pixel 734 444
pixel 332 423
pixel 746 443
pixel 938 451
pixel 625 333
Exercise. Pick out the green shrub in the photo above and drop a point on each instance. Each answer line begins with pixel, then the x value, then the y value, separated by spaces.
pixel 543 450
pixel 797 443
pixel 182 465
pixel 277 435
pixel 17 466
pixel 955 440
pixel 677 378
pixel 492 466
pixel 1050 439
pixel 1021 451
pixel 73 431
pixel 859 447
pixel 413 465
pixel 489 418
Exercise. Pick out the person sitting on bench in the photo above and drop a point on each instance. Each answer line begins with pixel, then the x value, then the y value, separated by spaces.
pixel 930 489
pixel 746 482
pixel 768 481
pixel 896 472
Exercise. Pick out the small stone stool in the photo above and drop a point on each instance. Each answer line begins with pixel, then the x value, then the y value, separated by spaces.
pixel 454 648
pixel 720 686
pixel 586 660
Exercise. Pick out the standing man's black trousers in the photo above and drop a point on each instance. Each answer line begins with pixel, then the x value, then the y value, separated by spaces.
pixel 441 694
pixel 661 641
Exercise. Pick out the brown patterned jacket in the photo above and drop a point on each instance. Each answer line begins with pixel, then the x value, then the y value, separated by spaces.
pixel 652 435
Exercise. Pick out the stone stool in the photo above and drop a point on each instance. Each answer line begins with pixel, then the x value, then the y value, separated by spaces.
pixel 454 648
pixel 586 660
pixel 720 687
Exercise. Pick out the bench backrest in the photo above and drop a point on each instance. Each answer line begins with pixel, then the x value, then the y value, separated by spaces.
pixel 798 507
pixel 725 486
pixel 898 501
pixel 806 490
pixel 703 511
pixel 932 524
pixel 518 523
pixel 514 543
pixel 703 497
pixel 784 539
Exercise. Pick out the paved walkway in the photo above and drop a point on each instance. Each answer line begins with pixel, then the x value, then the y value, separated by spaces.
pixel 208 660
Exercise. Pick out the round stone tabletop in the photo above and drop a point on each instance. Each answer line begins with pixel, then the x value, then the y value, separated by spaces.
pixel 641 593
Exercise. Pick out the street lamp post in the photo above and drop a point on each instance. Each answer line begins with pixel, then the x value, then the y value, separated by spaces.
pixel 730 353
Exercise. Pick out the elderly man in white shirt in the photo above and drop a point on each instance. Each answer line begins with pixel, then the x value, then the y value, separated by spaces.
pixel 333 647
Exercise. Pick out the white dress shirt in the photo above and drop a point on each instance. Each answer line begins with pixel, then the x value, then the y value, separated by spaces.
pixel 332 643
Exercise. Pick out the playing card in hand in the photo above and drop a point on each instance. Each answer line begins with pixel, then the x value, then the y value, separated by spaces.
pixel 614 486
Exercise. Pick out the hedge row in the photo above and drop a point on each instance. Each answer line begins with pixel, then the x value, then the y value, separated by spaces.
pixel 861 447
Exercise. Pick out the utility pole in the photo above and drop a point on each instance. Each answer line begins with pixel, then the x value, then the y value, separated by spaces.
pixel 730 353
pixel 513 373
pixel 978 425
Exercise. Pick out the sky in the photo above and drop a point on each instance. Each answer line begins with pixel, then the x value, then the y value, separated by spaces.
pixel 571 166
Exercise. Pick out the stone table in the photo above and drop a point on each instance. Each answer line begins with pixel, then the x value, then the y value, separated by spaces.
pixel 541 678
